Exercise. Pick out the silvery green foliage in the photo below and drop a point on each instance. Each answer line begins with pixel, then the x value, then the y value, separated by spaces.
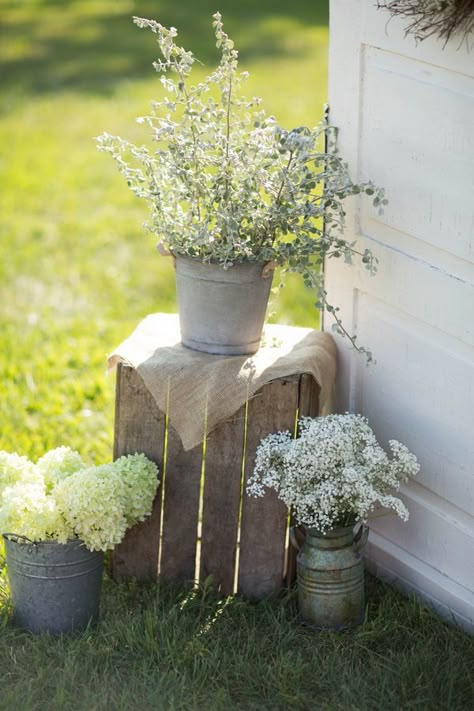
pixel 225 183
pixel 335 473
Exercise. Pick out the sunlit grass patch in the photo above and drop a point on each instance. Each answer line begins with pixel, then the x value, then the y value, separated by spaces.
pixel 77 269
pixel 175 649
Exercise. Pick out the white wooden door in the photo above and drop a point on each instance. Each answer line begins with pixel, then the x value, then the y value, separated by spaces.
pixel 406 119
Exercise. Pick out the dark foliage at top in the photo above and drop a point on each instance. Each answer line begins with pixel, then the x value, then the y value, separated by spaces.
pixel 443 18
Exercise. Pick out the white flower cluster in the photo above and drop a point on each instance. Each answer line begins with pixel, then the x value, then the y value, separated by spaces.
pixel 58 498
pixel 14 467
pixel 57 464
pixel 334 473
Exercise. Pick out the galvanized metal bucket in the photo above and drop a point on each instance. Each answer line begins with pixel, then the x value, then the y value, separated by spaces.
pixel 330 578
pixel 54 587
pixel 222 311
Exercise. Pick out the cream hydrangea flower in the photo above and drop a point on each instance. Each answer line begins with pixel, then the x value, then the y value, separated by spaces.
pixel 14 468
pixel 90 501
pixel 139 477
pixel 27 510
pixel 100 503
pixel 59 463
pixel 59 498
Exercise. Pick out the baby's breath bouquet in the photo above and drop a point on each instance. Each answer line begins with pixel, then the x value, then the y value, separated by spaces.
pixel 334 473
pixel 226 184
pixel 59 498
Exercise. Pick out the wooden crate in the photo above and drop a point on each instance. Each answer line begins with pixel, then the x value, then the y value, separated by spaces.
pixel 203 523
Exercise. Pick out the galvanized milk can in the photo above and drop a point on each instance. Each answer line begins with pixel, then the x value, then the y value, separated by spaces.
pixel 330 577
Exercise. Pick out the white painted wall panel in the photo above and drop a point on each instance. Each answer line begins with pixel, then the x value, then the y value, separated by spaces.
pixel 419 396
pixel 403 570
pixel 405 114
pixel 443 543
pixel 422 118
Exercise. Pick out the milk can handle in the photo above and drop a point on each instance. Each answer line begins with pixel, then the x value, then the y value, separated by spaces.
pixel 268 270
pixel 293 540
pixel 360 538
pixel 294 531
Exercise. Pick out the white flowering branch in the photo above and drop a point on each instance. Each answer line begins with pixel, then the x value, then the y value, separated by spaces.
pixel 334 473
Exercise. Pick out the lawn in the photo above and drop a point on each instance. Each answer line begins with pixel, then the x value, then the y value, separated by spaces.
pixel 77 273
pixel 77 269
pixel 176 650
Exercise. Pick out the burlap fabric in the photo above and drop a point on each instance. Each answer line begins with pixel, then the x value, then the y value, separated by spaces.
pixel 197 387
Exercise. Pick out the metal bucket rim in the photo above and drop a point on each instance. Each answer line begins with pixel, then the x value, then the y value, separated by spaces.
pixel 220 263
pixel 246 272
pixel 28 542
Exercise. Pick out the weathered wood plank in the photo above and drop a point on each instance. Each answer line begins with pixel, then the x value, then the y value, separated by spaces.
pixel 180 512
pixel 264 520
pixel 139 428
pixel 223 473
pixel 308 399
pixel 308 406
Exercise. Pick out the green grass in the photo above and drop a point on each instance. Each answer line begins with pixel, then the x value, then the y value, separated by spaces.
pixel 168 649
pixel 77 272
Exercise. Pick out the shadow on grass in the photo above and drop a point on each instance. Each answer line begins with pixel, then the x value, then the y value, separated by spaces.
pixel 92 46
pixel 171 648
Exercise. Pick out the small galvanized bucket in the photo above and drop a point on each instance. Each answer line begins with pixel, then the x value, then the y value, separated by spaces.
pixel 222 311
pixel 330 577
pixel 54 587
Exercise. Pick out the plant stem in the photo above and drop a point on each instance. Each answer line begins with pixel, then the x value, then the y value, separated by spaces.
pixel 278 197
pixel 277 201
pixel 227 137
pixel 309 276
pixel 193 133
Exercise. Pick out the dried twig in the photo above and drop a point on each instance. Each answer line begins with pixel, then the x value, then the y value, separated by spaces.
pixel 444 18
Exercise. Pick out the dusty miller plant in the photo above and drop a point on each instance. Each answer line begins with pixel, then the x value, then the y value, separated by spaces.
pixel 225 183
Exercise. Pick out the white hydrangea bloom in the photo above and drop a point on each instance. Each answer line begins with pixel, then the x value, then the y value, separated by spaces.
pixel 27 510
pixel 14 468
pixel 101 503
pixel 22 506
pixel 59 463
pixel 139 478
pixel 91 501
pixel 334 473
pixel 59 499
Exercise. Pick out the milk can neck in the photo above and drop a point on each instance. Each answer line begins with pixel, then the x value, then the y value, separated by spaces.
pixel 336 538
